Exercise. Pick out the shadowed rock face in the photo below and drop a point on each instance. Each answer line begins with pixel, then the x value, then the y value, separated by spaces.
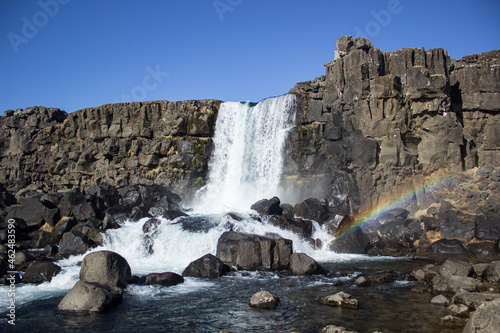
pixel 159 142
pixel 376 121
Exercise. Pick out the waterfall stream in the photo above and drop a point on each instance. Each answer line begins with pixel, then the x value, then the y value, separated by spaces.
pixel 247 163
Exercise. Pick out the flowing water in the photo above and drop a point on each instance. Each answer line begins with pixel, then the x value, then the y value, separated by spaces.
pixel 245 167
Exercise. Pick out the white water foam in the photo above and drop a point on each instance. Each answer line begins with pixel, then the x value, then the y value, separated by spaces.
pixel 247 162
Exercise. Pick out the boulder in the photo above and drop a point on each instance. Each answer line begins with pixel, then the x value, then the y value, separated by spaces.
pixel 40 272
pixel 380 278
pixel 302 264
pixel 488 227
pixel 105 267
pixel 92 297
pixel 299 226
pixel 472 299
pixel 456 267
pixel 264 300
pixel 160 196
pixel 83 211
pixel 107 193
pixel 450 247
pixel 151 225
pixel 34 213
pixel 166 279
pixel 268 206
pixel 334 329
pixel 312 209
pixel 486 319
pixel 208 266
pixel 450 321
pixel 340 299
pixel 426 273
pixel 452 284
pixel 484 250
pixel 362 282
pixel 458 310
pixel 354 241
pixel 493 271
pixel 69 200
pixel 480 269
pixel 159 211
pixel 74 243
pixel 130 196
pixel 253 252
pixel 440 300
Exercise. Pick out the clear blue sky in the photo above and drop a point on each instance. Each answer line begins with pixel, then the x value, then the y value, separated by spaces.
pixel 84 53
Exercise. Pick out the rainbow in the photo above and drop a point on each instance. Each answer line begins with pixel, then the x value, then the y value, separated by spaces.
pixel 404 198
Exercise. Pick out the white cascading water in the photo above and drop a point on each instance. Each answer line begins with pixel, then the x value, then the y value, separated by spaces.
pixel 248 159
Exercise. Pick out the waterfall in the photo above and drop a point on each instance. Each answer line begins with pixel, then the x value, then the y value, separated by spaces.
pixel 247 163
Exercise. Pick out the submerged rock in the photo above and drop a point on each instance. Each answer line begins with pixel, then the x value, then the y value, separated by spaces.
pixel 335 329
pixel 302 264
pixel 264 300
pixel 253 252
pixel 208 266
pixel 450 321
pixel 93 297
pixel 166 279
pixel 340 299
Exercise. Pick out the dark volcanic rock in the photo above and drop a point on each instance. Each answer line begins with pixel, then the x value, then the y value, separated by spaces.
pixel 299 226
pixel 69 200
pixel 207 266
pixel 252 252
pixel 73 243
pixel 354 241
pixel 450 247
pixel 166 279
pixel 268 206
pixel 488 227
pixel 302 264
pixel 312 209
pixel 34 213
pixel 40 272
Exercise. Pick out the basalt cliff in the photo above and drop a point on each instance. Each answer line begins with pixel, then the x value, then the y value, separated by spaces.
pixel 375 125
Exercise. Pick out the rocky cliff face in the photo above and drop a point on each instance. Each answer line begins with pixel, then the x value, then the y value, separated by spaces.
pixel 375 125
pixel 380 122
pixel 160 142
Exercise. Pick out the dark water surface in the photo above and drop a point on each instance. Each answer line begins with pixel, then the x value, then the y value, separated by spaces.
pixel 213 305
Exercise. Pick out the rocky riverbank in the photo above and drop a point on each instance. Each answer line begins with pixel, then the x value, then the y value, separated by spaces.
pixel 52 226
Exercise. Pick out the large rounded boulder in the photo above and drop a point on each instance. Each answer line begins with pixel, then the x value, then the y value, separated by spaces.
pixel 105 267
